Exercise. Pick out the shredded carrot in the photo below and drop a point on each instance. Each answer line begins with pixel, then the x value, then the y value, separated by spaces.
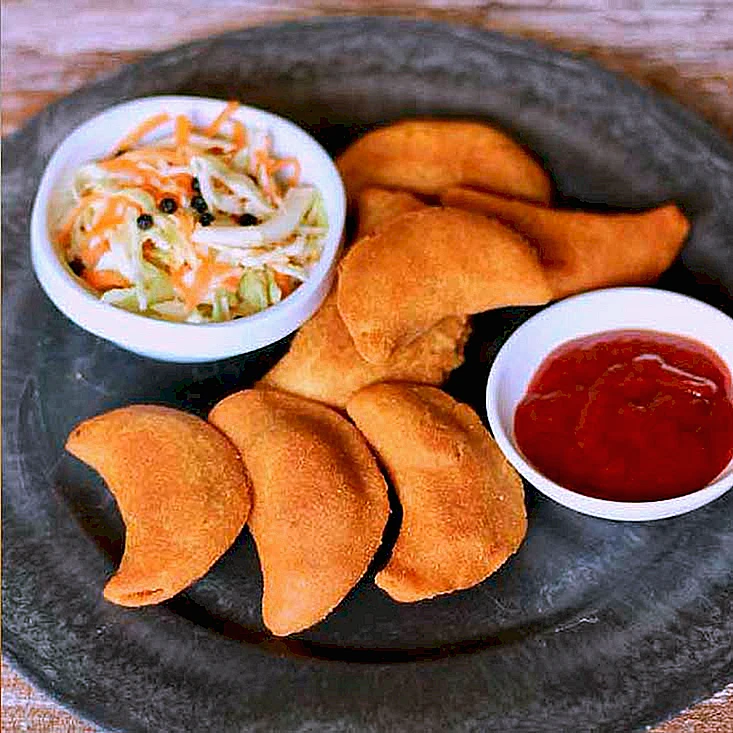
pixel 123 165
pixel 222 117
pixel 177 279
pixel 286 283
pixel 183 131
pixel 168 188
pixel 105 279
pixel 273 165
pixel 90 255
pixel 268 185
pixel 155 156
pixel 157 185
pixel 109 217
pixel 205 275
pixel 182 181
pixel 142 130
pixel 239 135
pixel 261 159
pixel 187 222
pixel 278 165
pixel 231 281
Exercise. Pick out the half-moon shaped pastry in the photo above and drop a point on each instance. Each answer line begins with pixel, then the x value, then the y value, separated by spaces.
pixel 323 363
pixel 377 206
pixel 583 250
pixel 427 156
pixel 463 504
pixel 320 503
pixel 424 266
pixel 182 491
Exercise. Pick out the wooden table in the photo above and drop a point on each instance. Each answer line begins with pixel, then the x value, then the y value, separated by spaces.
pixel 49 48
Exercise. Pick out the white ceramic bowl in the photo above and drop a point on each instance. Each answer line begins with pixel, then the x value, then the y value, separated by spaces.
pixel 164 340
pixel 583 315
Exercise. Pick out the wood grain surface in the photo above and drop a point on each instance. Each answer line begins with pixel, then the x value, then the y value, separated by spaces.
pixel 683 48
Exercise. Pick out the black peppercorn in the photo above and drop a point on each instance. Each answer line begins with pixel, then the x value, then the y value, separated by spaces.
pixel 144 221
pixel 77 266
pixel 199 204
pixel 248 220
pixel 206 218
pixel 168 205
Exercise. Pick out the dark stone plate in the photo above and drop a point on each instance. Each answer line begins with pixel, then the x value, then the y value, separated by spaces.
pixel 592 626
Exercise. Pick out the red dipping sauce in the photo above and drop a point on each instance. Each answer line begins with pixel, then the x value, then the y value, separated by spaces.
pixel 629 416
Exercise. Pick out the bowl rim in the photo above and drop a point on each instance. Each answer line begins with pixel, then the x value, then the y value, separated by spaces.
pixel 593 506
pixel 80 305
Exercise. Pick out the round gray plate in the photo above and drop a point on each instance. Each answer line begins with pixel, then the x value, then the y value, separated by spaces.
pixel 593 625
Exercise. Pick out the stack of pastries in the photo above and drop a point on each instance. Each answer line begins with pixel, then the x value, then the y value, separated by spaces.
pixel 452 218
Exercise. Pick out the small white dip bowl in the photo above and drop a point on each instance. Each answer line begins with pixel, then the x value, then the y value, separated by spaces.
pixel 165 340
pixel 584 315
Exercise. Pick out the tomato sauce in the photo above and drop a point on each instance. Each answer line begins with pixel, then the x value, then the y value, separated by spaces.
pixel 629 416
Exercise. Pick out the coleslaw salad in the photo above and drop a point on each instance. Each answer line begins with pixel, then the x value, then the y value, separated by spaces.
pixel 157 337
pixel 192 223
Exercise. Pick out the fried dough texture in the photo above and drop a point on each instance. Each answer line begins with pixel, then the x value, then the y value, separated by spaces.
pixel 583 250
pixel 182 491
pixel 324 365
pixel 427 156
pixel 463 504
pixel 424 266
pixel 320 501
pixel 378 205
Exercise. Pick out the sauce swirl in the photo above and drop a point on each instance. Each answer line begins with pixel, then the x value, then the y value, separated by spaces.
pixel 629 416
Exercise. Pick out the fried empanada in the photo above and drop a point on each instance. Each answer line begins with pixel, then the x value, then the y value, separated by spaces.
pixel 585 250
pixel 427 156
pixel 463 504
pixel 323 363
pixel 424 266
pixel 378 205
pixel 320 503
pixel 182 491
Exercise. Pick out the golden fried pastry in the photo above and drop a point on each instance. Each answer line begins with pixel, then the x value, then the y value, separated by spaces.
pixel 320 502
pixel 424 266
pixel 378 205
pixel 426 156
pixel 181 489
pixel 323 363
pixel 463 504
pixel 584 250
